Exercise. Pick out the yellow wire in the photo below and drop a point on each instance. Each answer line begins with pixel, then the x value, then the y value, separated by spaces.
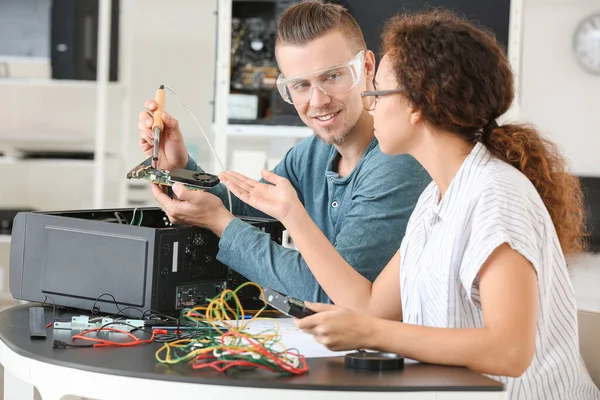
pixel 218 314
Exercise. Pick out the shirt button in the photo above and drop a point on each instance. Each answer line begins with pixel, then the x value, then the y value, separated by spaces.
pixel 331 179
pixel 334 204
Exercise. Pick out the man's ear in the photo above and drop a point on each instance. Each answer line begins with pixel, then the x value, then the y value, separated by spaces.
pixel 369 65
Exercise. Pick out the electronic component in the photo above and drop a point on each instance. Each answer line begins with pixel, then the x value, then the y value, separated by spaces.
pixel 286 304
pixel 253 53
pixel 82 322
pixel 37 325
pixel 193 294
pixel 254 67
pixel 193 180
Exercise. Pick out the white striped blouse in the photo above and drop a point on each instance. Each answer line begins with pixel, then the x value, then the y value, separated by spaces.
pixel 489 203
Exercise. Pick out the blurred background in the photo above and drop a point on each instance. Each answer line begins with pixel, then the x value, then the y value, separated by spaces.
pixel 74 74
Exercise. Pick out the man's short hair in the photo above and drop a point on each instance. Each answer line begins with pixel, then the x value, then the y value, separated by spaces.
pixel 304 22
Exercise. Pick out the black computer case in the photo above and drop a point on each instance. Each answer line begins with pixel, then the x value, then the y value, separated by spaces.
pixel 101 260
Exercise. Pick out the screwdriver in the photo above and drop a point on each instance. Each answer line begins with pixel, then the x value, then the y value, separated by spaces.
pixel 158 124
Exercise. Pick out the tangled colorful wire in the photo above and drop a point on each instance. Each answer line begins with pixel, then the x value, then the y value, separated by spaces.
pixel 226 345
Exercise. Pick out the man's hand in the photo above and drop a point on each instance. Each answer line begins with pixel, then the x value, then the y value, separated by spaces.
pixel 191 207
pixel 338 328
pixel 277 199
pixel 172 153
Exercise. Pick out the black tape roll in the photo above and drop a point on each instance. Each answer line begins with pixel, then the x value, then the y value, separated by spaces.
pixel 374 361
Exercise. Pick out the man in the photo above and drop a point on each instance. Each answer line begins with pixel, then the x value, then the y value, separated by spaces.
pixel 360 198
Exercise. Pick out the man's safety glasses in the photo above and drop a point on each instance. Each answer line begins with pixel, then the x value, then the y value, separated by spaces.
pixel 331 81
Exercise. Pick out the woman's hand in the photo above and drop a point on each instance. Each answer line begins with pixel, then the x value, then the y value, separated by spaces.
pixel 277 199
pixel 338 328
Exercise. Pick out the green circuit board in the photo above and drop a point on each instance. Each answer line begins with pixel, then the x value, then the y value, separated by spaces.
pixel 146 171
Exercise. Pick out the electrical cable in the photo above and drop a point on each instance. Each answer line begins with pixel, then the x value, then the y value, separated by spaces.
pixel 211 336
pixel 143 313
pixel 95 310
pixel 154 314
pixel 121 313
pixel 233 348
pixel 98 342
pixel 207 140
pixel 141 217
pixel 53 309
pixel 120 218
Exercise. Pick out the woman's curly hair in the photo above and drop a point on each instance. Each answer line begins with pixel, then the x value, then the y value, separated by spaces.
pixel 459 77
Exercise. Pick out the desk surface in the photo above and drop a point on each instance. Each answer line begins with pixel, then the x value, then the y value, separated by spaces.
pixel 324 373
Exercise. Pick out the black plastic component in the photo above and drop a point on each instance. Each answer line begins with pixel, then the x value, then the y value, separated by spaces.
pixel 286 304
pixel 374 361
pixel 194 178
pixel 37 324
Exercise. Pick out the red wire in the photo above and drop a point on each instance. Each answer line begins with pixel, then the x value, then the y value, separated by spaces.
pixel 202 361
pixel 104 343
pixel 259 348
pixel 256 347
pixel 231 364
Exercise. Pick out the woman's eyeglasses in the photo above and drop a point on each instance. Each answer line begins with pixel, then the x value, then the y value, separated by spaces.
pixel 370 98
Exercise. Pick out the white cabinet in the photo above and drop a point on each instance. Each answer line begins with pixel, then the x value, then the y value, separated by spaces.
pixel 14 191
pixel 5 296
pixel 56 115
pixel 52 185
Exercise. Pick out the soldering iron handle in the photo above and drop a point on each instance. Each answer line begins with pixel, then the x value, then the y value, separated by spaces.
pixel 160 107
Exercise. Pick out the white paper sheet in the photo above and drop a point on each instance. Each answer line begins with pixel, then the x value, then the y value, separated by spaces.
pixel 292 337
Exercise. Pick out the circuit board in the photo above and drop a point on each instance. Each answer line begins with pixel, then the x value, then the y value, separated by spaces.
pixel 287 304
pixel 193 180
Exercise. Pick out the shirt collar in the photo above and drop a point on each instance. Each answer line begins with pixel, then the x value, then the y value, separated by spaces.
pixel 478 155
pixel 334 159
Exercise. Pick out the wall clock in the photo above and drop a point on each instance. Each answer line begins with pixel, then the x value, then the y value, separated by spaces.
pixel 586 43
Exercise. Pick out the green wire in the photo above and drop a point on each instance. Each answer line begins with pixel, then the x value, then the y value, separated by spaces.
pixel 140 218
pixel 133 216
pixel 180 354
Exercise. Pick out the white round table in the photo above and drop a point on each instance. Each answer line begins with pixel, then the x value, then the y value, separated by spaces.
pixel 126 373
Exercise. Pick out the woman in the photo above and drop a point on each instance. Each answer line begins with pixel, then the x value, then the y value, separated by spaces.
pixel 480 279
